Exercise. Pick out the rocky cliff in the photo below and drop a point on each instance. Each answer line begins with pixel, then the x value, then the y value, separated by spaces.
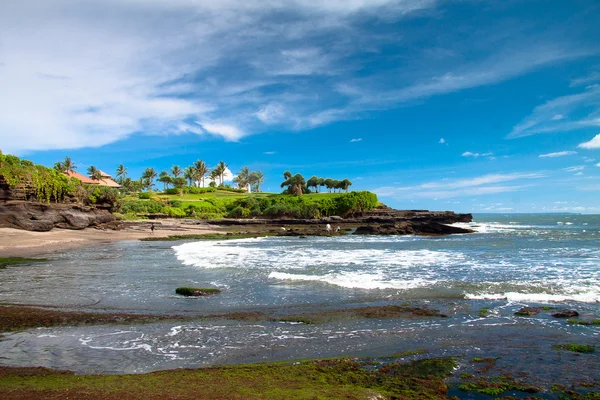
pixel 33 216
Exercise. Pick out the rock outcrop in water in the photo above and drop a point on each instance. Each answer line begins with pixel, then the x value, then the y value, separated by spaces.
pixel 382 220
pixel 44 217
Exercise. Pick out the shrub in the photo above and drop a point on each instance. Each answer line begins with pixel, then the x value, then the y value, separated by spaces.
pixel 239 212
pixel 175 203
pixel 141 207
pixel 144 195
pixel 174 212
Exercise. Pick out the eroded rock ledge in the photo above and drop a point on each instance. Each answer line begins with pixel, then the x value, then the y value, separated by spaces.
pixel 379 221
pixel 42 217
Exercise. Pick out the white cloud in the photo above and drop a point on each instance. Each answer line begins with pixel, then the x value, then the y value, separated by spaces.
pixel 579 174
pixel 355 140
pixel 544 119
pixel 593 77
pixel 475 155
pixel 96 72
pixel 557 154
pixel 271 113
pixel 442 141
pixel 229 132
pixel 592 144
pixel 574 168
pixel 269 152
pixel 481 185
pixel 598 165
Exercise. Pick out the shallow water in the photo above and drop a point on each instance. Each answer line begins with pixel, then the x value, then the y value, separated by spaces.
pixel 513 261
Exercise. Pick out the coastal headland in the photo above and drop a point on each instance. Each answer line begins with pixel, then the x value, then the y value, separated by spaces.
pixel 31 228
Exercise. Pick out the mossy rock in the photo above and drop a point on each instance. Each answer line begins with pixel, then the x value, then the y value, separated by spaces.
pixel 575 347
pixel 196 292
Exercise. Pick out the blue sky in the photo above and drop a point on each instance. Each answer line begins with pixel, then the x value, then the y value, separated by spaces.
pixel 473 106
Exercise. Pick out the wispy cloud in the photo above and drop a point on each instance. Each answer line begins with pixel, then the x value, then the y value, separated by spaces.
pixel 566 113
pixel 442 141
pixel 475 155
pixel 355 140
pixel 592 144
pixel 270 153
pixel 557 154
pixel 574 168
pixel 481 185
pixel 98 71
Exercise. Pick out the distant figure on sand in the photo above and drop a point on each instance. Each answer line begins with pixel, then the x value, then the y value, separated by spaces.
pixel 328 228
pixel 152 228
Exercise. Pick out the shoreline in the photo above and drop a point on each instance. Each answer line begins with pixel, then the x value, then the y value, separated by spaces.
pixel 23 243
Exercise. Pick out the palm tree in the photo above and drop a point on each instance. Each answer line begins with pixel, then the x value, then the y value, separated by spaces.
pixel 256 178
pixel 68 165
pixel 93 173
pixel 121 174
pixel 222 168
pixel 201 170
pixel 165 179
pixel 189 174
pixel 214 174
pixel 149 175
pixel 176 171
pixel 243 178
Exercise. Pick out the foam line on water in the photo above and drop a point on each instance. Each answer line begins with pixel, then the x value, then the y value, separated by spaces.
pixel 354 280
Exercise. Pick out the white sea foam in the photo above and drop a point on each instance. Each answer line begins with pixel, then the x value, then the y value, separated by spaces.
pixel 584 297
pixel 275 254
pixel 355 280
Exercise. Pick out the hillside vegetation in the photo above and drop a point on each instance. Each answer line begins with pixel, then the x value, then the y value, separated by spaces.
pixel 220 204
pixel 38 183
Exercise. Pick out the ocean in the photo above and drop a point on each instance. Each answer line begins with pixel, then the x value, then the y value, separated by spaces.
pixel 550 261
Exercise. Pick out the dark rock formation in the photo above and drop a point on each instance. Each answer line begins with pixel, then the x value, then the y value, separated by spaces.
pixel 196 292
pixel 410 228
pixel 379 221
pixel 528 311
pixel 565 314
pixel 43 217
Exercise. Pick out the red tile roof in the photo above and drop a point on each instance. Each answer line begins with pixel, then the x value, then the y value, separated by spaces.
pixel 84 179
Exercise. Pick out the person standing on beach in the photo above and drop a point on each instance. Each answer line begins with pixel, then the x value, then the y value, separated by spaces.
pixel 152 228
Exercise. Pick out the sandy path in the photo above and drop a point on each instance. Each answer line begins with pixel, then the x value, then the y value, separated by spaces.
pixel 21 243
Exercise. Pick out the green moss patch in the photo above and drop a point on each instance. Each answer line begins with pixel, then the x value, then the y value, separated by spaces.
pixel 495 386
pixel 196 292
pixel 16 318
pixel 578 322
pixel 574 347
pixel 321 379
pixel 484 312
pixel 381 312
pixel 4 262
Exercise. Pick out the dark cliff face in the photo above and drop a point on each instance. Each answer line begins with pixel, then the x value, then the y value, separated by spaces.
pixel 43 217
